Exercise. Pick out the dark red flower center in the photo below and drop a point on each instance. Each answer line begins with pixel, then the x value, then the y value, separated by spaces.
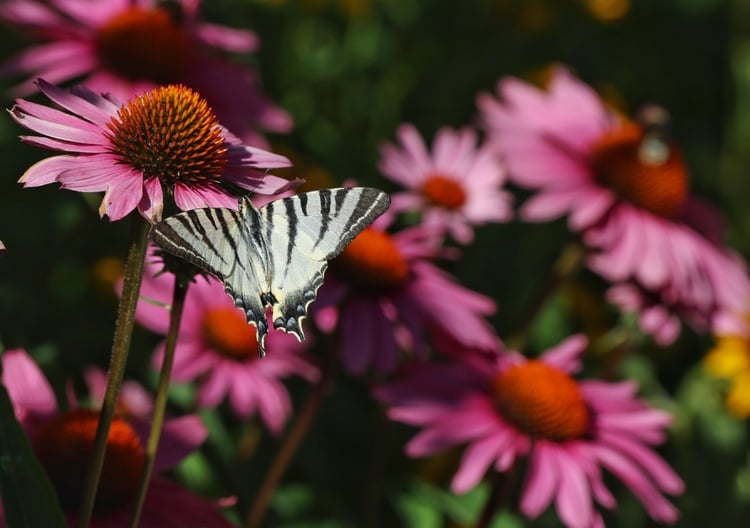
pixel 226 330
pixel 146 44
pixel 170 133
pixel 651 176
pixel 372 263
pixel 542 401
pixel 444 192
pixel 64 446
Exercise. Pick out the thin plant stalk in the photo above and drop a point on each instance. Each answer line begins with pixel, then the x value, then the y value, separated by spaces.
pixel 160 402
pixel 120 348
pixel 293 439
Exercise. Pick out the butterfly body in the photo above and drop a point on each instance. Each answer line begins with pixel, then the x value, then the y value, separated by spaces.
pixel 275 256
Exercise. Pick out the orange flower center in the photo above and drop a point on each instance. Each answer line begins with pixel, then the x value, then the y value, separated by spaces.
pixel 64 446
pixel 542 401
pixel 228 332
pixel 646 172
pixel 170 133
pixel 372 263
pixel 145 44
pixel 443 191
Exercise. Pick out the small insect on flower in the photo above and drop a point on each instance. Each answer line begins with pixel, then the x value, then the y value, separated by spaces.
pixel 276 255
pixel 165 140
pixel 624 187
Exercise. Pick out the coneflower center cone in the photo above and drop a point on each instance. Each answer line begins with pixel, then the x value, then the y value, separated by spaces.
pixel 170 133
pixel 659 186
pixel 542 401
pixel 228 332
pixel 145 44
pixel 444 192
pixel 64 446
pixel 372 263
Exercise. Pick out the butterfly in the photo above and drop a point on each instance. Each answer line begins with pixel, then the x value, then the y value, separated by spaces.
pixel 273 256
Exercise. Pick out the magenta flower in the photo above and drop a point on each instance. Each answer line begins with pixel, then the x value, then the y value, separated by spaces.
pixel 165 140
pixel 624 188
pixel 509 408
pixel 125 48
pixel 457 186
pixel 217 347
pixel 384 295
pixel 62 440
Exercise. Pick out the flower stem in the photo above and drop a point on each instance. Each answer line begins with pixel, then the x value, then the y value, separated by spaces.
pixel 293 439
pixel 160 403
pixel 120 347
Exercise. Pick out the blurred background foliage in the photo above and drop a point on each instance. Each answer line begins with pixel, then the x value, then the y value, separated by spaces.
pixel 349 71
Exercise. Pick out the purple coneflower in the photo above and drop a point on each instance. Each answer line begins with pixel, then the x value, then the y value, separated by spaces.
pixel 385 295
pixel 125 48
pixel 509 408
pixel 624 187
pixel 456 186
pixel 63 441
pixel 166 140
pixel 217 348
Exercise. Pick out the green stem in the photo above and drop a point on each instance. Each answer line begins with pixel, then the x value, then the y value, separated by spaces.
pixel 293 439
pixel 160 403
pixel 120 347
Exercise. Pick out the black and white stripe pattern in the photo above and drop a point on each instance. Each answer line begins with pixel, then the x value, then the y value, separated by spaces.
pixel 274 256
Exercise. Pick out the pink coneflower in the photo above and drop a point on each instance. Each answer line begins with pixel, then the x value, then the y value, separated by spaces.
pixel 384 294
pixel 511 408
pixel 165 140
pixel 125 48
pixel 624 187
pixel 457 186
pixel 63 440
pixel 217 347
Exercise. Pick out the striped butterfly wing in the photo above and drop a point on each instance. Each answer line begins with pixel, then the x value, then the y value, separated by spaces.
pixel 302 233
pixel 220 242
pixel 276 255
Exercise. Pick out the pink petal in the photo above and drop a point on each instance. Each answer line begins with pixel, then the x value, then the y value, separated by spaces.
pixel 228 39
pixel 28 389
pixel 567 355
pixel 120 200
pixel 180 437
pixel 475 462
pixel 47 170
pixel 541 482
pixel 573 498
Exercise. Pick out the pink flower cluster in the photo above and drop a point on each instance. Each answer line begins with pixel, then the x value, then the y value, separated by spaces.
pixel 624 189
pixel 174 130
pixel 60 439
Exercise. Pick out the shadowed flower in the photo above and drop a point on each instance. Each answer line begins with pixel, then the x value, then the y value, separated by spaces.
pixel 508 408
pixel 165 140
pixel 125 48
pixel 63 441
pixel 457 186
pixel 217 347
pixel 730 360
pixel 624 187
pixel 383 294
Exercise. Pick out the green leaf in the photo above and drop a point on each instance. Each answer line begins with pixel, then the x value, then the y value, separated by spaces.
pixel 29 500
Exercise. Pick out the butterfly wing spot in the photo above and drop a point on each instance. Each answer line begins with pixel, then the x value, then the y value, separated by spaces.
pixel 268 298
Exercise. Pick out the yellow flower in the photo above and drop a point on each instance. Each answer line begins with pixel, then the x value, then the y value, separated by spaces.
pixel 730 360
